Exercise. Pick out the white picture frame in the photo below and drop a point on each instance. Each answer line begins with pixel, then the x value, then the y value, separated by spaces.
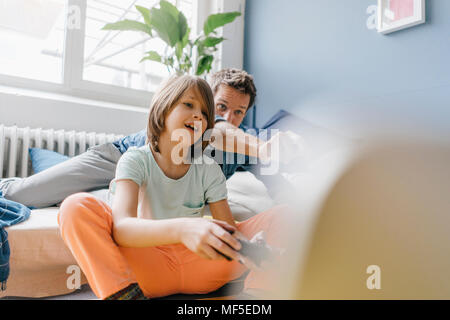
pixel 394 15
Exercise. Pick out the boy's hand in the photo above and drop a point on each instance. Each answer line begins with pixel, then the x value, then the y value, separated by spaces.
pixel 209 238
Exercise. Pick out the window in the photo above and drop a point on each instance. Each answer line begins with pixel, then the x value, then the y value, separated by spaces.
pixel 32 37
pixel 58 46
pixel 113 57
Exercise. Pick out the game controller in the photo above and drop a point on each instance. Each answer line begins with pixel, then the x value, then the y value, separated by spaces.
pixel 255 251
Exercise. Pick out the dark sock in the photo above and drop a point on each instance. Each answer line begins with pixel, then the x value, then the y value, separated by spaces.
pixel 132 292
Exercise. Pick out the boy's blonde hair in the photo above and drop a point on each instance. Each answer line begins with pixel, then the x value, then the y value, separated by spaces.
pixel 168 94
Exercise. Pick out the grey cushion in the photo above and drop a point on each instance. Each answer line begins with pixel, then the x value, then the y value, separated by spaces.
pixel 92 170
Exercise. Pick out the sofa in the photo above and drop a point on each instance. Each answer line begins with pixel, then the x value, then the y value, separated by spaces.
pixel 41 265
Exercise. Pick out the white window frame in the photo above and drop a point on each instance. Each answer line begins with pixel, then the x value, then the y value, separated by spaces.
pixel 74 85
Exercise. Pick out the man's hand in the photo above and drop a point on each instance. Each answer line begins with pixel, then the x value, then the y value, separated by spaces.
pixel 283 147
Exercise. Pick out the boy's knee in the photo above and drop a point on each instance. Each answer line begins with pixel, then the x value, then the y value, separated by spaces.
pixel 70 208
pixel 78 199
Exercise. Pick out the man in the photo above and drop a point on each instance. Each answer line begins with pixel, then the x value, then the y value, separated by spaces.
pixel 234 93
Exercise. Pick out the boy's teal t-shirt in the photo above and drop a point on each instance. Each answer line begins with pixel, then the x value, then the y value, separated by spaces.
pixel 161 197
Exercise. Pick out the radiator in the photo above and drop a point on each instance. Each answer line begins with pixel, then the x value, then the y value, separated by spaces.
pixel 14 144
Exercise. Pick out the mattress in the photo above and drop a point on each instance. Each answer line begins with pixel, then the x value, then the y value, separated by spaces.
pixel 39 258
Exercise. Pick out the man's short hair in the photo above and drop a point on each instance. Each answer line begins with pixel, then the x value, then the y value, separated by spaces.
pixel 235 78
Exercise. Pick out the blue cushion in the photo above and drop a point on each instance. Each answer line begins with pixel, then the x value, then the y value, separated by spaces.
pixel 42 159
pixel 284 121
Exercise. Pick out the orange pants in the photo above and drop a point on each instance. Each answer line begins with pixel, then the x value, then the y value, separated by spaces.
pixel 86 226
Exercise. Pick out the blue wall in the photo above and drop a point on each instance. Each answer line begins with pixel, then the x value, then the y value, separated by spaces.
pixel 318 59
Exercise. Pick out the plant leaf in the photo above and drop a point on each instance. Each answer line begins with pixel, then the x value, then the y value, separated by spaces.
pixel 178 50
pixel 183 25
pixel 178 16
pixel 185 39
pixel 168 61
pixel 145 14
pixel 169 8
pixel 200 48
pixel 165 25
pixel 218 20
pixel 204 64
pixel 128 25
pixel 212 41
pixel 153 56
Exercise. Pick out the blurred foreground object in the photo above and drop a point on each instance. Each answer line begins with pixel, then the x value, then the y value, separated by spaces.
pixel 389 208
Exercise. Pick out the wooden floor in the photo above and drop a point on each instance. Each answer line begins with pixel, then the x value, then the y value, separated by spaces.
pixel 230 291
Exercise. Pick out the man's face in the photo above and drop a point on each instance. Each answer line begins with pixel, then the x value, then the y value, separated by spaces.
pixel 231 104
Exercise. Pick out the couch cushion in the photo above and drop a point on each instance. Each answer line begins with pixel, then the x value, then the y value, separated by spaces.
pixel 42 159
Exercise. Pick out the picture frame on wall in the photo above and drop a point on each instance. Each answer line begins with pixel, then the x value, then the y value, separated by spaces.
pixel 394 15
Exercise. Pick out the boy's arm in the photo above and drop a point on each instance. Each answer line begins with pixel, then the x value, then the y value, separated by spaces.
pixel 220 210
pixel 130 231
pixel 197 234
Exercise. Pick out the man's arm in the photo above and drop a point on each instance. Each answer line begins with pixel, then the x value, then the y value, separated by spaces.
pixel 232 139
pixel 228 138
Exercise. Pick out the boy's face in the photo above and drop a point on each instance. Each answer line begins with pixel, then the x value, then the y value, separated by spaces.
pixel 231 104
pixel 187 118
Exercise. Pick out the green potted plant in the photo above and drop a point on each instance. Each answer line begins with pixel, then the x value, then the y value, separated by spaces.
pixel 170 25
